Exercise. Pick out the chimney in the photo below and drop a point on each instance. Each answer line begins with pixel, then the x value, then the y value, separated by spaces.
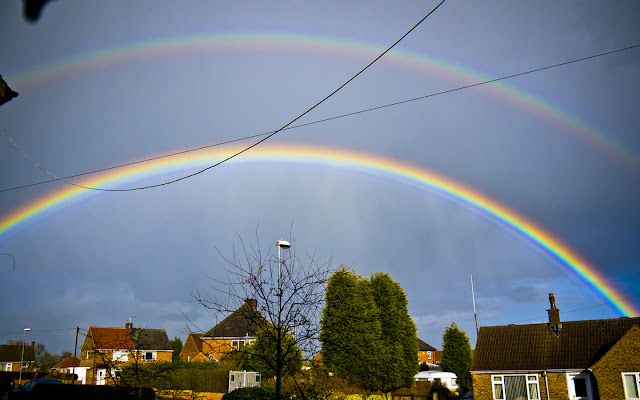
pixel 554 316
pixel 252 302
pixel 128 326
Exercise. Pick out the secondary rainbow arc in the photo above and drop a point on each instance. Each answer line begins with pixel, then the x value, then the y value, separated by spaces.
pixel 41 74
pixel 401 172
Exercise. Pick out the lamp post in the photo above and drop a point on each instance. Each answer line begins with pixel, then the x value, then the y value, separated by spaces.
pixel 279 362
pixel 285 245
pixel 24 337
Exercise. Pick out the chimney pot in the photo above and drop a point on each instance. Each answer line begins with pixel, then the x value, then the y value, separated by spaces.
pixel 554 316
pixel 552 300
pixel 253 303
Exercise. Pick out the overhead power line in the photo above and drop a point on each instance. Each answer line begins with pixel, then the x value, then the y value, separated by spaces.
pixel 246 148
pixel 289 127
pixel 584 308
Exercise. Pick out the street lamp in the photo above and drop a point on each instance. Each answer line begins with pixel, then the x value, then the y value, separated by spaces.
pixel 284 245
pixel 24 337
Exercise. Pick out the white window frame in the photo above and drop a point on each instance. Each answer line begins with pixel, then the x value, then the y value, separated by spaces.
pixel 624 383
pixel 428 355
pixel 530 379
pixel 120 355
pixel 8 367
pixel 571 386
pixel 145 352
pixel 25 364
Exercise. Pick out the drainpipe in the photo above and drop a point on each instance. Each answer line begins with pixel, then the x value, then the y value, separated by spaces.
pixel 546 383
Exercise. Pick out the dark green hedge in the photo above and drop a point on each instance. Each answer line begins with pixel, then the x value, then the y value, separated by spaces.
pixel 199 377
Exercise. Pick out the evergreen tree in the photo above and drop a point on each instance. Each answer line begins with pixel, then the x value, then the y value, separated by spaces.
pixel 176 345
pixel 398 336
pixel 456 355
pixel 367 334
pixel 350 330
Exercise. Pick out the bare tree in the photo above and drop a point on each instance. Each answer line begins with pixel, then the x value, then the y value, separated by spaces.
pixel 288 301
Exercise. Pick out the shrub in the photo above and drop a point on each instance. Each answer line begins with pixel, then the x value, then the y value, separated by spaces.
pixel 252 393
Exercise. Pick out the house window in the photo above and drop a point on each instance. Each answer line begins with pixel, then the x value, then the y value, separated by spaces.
pixel 579 385
pixel 120 355
pixel 631 382
pixel 25 364
pixel 237 344
pixel 512 387
pixel 428 355
pixel 148 355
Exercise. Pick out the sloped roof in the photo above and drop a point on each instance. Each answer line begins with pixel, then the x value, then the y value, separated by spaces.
pixel 122 338
pixel 151 339
pixel 534 347
pixel 197 342
pixel 244 321
pixel 424 346
pixel 13 353
pixel 105 338
pixel 68 362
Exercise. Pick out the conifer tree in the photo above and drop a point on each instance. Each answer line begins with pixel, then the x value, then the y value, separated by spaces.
pixel 456 355
pixel 367 335
pixel 350 330
pixel 398 335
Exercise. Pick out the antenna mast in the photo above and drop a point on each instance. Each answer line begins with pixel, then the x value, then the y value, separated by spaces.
pixel 474 305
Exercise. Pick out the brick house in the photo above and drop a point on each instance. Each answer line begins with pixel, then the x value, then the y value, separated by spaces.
pixel 11 354
pixel 71 365
pixel 586 360
pixel 426 352
pixel 234 332
pixel 106 350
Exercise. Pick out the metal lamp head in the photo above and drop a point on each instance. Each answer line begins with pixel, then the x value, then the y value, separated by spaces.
pixel 283 243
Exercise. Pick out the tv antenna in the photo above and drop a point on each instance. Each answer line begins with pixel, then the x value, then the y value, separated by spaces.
pixel 474 305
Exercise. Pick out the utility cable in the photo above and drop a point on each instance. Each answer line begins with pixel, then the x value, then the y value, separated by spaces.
pixel 11 255
pixel 246 148
pixel 584 308
pixel 322 120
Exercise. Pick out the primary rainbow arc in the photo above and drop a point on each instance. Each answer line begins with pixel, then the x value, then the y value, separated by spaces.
pixel 401 172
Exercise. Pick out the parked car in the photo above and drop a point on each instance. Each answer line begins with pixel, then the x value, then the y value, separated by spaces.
pixel 30 385
pixel 467 396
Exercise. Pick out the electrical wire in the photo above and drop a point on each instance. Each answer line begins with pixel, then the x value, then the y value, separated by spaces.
pixel 246 148
pixel 11 255
pixel 582 309
pixel 324 119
